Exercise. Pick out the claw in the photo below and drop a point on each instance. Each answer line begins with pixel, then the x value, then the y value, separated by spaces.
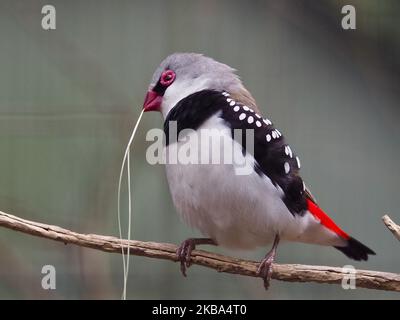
pixel 265 270
pixel 184 251
pixel 265 267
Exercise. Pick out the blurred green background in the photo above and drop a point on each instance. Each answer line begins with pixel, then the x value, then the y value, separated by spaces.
pixel 69 99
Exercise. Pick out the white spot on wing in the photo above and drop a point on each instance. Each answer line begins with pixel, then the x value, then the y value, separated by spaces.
pixel 246 108
pixel 242 116
pixel 298 162
pixel 268 137
pixel 236 108
pixel 232 103
pixel 250 119
pixel 288 151
pixel 274 135
pixel 287 167
pixel 258 123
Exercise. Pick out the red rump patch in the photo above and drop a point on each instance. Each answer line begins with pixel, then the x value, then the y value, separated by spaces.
pixel 325 220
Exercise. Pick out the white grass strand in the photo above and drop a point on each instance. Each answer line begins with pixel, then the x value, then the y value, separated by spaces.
pixel 126 160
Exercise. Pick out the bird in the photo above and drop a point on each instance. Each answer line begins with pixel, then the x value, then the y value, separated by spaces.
pixel 268 204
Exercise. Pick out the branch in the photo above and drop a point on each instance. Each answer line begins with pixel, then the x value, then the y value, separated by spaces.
pixel 284 272
pixel 394 228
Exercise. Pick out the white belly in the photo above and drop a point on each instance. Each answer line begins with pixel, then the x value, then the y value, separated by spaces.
pixel 237 211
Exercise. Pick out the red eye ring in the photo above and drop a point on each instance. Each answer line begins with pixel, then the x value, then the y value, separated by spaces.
pixel 167 78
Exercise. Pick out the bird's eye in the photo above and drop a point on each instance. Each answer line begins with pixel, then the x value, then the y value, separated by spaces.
pixel 167 78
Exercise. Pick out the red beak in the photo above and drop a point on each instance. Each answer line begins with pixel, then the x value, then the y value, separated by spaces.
pixel 152 101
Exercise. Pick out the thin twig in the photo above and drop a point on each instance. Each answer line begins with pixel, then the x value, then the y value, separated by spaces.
pixel 394 228
pixel 285 272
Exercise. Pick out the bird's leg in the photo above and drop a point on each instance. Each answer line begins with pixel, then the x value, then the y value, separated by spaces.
pixel 184 251
pixel 264 269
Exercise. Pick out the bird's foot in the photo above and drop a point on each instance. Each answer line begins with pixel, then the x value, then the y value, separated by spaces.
pixel 265 270
pixel 184 251
pixel 265 267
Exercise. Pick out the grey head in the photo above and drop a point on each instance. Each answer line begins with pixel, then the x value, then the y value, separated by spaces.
pixel 191 66
pixel 192 72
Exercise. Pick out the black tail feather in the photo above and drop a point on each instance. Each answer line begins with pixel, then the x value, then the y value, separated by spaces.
pixel 356 250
